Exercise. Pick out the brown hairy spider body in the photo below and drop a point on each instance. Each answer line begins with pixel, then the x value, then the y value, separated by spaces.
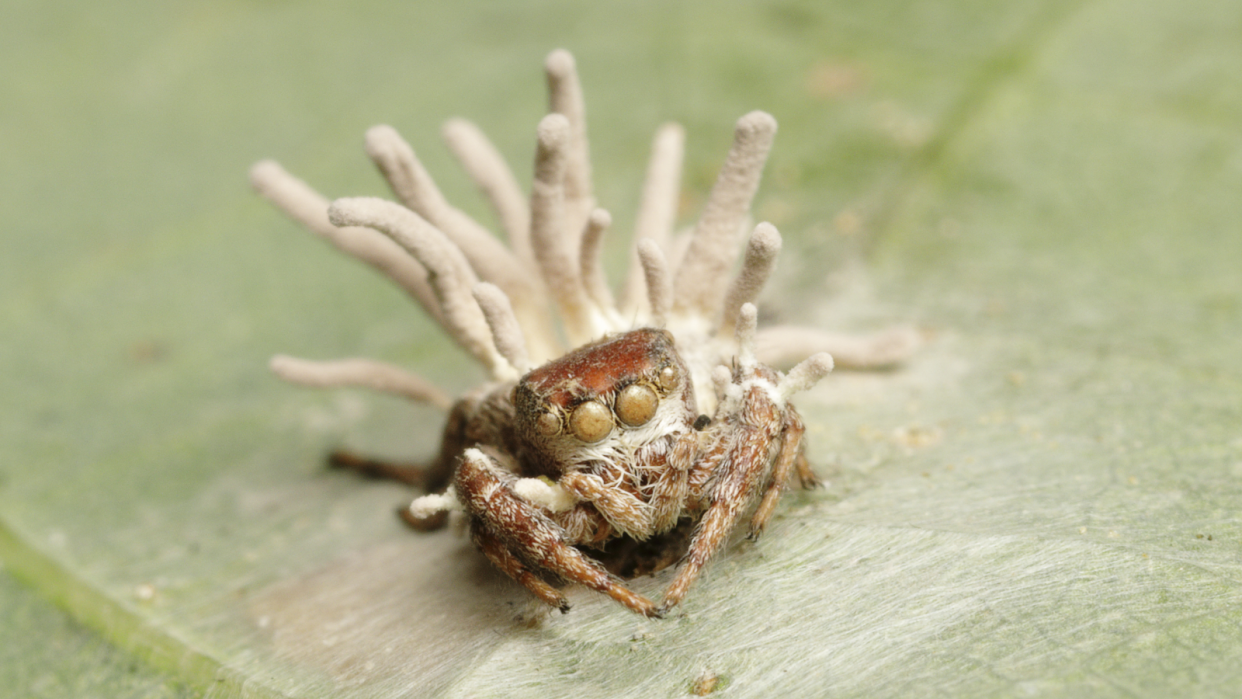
pixel 612 424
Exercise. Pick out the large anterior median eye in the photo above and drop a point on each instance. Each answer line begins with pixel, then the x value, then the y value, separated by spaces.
pixel 636 404
pixel 591 421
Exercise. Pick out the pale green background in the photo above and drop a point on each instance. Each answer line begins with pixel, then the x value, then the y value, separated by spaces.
pixel 1044 501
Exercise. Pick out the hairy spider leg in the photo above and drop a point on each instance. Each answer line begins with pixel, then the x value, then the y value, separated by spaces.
pixel 806 475
pixel 497 551
pixel 625 510
pixel 528 536
pixel 411 474
pixel 791 441
pixel 672 487
pixel 583 525
pixel 415 475
pixel 744 464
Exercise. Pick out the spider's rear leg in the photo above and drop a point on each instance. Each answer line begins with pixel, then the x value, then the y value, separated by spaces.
pixel 415 475
pixel 431 476
pixel 522 540
pixel 807 477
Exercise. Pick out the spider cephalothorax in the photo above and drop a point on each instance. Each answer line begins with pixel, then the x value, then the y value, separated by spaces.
pixel 612 410
pixel 662 408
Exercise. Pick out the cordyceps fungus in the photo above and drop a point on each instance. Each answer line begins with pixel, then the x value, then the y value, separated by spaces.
pixel 604 416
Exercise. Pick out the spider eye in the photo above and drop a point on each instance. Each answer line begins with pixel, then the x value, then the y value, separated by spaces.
pixel 590 422
pixel 636 404
pixel 668 377
pixel 547 424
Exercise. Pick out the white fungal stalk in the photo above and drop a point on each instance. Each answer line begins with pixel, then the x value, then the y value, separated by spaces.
pixel 517 303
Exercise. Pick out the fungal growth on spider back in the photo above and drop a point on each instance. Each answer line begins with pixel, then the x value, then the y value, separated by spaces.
pixel 605 417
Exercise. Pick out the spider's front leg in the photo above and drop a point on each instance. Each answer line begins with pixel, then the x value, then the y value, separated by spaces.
pixel 788 458
pixel 523 541
pixel 758 444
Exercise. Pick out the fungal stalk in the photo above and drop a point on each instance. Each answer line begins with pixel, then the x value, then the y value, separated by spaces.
pixel 515 302
pixel 605 414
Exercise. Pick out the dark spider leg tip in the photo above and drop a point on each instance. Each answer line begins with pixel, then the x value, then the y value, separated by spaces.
pixel 339 458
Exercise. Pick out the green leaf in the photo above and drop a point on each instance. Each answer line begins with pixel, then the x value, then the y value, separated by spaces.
pixel 66 660
pixel 1044 500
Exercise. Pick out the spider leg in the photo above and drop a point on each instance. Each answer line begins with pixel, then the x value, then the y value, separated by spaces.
pixel 410 474
pixel 527 536
pixel 626 510
pixel 415 475
pixel 740 472
pixel 791 439
pixel 807 477
pixel 759 441
pixel 498 553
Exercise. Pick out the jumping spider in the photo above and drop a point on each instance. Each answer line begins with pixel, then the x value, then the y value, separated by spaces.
pixel 613 425
pixel 662 411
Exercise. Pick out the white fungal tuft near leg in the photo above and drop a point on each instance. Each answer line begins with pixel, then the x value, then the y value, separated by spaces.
pixel 430 505
pixel 721 378
pixel 545 493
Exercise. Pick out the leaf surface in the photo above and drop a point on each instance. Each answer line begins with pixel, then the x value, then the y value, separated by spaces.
pixel 1044 500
